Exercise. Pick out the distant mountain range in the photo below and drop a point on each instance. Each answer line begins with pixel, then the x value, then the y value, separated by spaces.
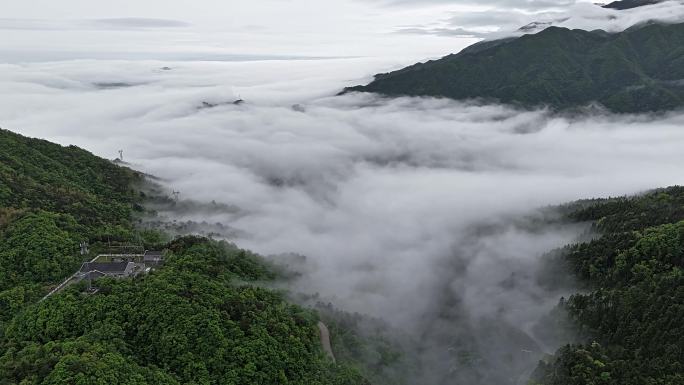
pixel 629 4
pixel 638 70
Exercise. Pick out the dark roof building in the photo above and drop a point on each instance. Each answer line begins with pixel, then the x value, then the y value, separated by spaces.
pixel 153 257
pixel 112 269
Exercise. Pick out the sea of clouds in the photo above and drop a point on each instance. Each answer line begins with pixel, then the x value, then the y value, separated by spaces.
pixel 408 209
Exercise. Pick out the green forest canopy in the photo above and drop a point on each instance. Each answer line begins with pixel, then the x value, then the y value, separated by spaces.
pixel 631 316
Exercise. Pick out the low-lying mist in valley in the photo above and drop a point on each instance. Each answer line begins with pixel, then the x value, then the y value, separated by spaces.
pixel 423 213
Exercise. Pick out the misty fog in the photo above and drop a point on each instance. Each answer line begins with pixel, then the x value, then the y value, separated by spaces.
pixel 410 210
pixel 507 19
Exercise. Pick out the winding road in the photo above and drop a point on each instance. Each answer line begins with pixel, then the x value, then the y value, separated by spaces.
pixel 325 340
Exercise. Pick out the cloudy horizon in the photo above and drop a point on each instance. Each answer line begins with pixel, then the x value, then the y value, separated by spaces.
pixel 407 30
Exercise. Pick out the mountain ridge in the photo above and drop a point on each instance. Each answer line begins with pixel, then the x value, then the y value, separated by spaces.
pixel 622 5
pixel 638 70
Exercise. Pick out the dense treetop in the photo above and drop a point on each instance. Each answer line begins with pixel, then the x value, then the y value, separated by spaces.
pixel 38 174
pixel 189 323
pixel 630 316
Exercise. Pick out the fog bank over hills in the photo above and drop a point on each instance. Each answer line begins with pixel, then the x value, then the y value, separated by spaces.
pixel 374 192
pixel 410 210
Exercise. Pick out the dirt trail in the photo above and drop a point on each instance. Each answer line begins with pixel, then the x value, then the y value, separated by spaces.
pixel 325 340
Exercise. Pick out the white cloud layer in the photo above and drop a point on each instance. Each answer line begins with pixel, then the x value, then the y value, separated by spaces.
pixel 501 20
pixel 384 197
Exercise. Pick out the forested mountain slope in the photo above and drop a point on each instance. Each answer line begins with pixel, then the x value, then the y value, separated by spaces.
pixel 638 70
pixel 200 319
pixel 51 199
pixel 631 315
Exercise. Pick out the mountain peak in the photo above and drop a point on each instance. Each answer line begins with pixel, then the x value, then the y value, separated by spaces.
pixel 637 70
pixel 629 4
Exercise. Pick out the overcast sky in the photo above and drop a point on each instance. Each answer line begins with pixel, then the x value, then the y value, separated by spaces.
pixel 264 12
pixel 42 30
pixel 261 27
pixel 277 27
